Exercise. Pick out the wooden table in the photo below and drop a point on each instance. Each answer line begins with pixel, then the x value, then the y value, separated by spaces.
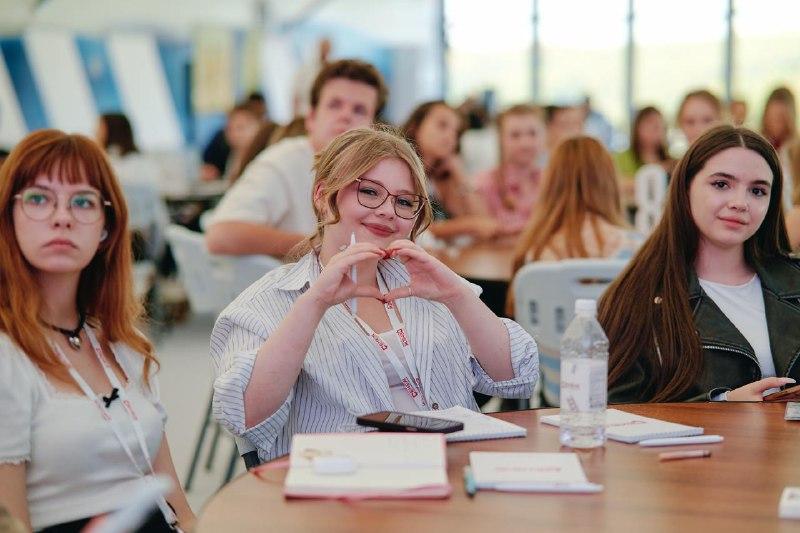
pixel 487 260
pixel 736 489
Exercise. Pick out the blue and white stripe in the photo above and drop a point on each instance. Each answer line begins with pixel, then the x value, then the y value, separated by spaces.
pixel 342 376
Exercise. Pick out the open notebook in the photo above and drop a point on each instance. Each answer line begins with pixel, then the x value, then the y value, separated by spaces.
pixel 477 426
pixel 367 465
pixel 631 428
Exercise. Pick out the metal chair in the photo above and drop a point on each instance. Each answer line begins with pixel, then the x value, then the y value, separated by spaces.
pixel 544 300
pixel 211 283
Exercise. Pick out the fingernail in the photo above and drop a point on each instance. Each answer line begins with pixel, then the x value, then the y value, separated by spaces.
pixel 790 380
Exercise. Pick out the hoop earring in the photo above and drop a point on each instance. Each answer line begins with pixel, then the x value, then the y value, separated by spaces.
pixel 104 235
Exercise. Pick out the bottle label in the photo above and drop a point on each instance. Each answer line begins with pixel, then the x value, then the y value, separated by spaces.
pixel 583 384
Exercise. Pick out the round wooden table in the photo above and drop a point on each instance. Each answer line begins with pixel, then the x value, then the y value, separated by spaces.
pixel 736 489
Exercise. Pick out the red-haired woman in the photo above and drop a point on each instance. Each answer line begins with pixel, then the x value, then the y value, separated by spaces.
pixel 82 424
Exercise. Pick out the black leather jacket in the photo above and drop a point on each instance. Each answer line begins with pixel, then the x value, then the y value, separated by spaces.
pixel 729 360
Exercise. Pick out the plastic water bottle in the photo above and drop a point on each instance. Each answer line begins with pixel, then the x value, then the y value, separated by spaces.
pixel 584 379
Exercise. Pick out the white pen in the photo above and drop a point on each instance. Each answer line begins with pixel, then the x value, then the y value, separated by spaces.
pixel 548 487
pixel 353 301
pixel 676 441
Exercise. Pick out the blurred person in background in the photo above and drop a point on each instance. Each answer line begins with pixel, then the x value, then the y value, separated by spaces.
pixel 648 146
pixel 737 110
pixel 779 121
pixel 578 213
pixel 562 123
pixel 241 126
pixel 699 111
pixel 434 129
pixel 511 188
pixel 267 210
pixel 793 214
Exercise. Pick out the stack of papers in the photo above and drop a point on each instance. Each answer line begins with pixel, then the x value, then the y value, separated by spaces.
pixel 367 465
pixel 631 428
pixel 530 472
pixel 790 503
pixel 477 426
pixel 792 411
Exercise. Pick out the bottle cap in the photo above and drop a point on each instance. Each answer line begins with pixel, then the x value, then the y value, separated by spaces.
pixel 586 307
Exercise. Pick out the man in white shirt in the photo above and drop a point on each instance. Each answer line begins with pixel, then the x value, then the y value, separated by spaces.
pixel 269 210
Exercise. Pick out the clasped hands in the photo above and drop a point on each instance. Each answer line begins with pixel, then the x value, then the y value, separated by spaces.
pixel 430 278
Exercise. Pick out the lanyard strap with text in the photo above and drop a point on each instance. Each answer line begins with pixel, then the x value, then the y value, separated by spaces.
pixel 411 383
pixel 169 515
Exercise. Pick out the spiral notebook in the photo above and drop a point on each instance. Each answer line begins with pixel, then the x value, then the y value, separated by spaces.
pixel 477 426
pixel 631 428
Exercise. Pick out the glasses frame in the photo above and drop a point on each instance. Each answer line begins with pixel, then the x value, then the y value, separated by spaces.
pixel 422 199
pixel 104 203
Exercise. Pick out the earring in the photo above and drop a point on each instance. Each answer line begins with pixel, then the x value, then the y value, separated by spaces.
pixel 104 235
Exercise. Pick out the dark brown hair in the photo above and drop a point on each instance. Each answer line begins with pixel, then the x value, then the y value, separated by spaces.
pixel 260 141
pixel 119 133
pixel 354 70
pixel 645 312
pixel 636 144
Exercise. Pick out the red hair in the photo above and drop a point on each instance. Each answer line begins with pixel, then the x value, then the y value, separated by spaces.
pixel 105 289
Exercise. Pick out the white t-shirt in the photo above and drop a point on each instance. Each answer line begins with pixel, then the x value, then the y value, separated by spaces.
pixel 402 401
pixel 274 190
pixel 76 466
pixel 744 307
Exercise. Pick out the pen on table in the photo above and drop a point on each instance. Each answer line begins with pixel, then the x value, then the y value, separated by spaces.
pixel 687 454
pixel 675 441
pixel 353 301
pixel 469 482
pixel 576 488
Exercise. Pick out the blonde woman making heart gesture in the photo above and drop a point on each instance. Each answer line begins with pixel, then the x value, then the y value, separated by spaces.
pixel 365 320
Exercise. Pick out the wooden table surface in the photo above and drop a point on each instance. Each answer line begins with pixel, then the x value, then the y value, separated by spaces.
pixel 487 260
pixel 737 489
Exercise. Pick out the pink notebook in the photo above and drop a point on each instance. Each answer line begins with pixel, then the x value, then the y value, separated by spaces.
pixel 367 465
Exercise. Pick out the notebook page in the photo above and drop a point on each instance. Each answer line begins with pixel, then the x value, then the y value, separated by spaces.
pixel 631 428
pixel 477 426
pixel 492 468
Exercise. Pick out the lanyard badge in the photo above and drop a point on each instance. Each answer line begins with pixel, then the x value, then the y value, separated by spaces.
pixel 409 376
pixel 105 413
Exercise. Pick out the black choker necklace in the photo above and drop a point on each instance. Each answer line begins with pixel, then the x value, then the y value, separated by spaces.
pixel 73 336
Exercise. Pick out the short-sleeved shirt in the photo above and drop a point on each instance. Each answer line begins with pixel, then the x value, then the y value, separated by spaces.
pixel 76 467
pixel 274 190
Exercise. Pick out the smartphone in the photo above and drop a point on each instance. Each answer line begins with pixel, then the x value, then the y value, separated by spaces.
pixel 398 422
pixel 789 394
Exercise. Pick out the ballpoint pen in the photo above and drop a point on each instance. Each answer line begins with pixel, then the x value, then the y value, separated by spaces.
pixel 353 301
pixel 469 482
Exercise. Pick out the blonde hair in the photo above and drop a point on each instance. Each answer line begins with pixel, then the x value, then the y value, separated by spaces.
pixel 347 158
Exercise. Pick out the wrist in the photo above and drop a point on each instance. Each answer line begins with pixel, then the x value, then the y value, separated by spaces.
pixel 456 300
pixel 312 303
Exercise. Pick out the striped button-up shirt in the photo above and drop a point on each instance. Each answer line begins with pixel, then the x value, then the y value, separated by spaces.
pixel 342 376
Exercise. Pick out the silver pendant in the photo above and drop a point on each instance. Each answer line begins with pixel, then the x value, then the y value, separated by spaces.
pixel 75 342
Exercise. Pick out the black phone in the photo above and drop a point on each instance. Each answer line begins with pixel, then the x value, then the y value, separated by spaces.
pixel 398 422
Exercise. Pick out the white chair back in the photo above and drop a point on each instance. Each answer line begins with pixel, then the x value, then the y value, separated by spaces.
pixel 651 189
pixel 544 304
pixel 213 281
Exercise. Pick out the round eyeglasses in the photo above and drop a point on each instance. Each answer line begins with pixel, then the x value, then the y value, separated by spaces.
pixel 372 194
pixel 87 207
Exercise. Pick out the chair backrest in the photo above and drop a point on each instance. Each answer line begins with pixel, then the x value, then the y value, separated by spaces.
pixel 651 189
pixel 544 302
pixel 213 281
